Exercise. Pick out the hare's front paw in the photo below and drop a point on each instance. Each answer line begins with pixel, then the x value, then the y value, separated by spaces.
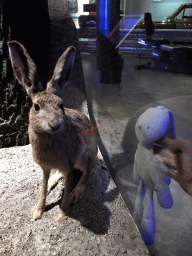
pixel 37 213
pixel 76 195
pixel 61 215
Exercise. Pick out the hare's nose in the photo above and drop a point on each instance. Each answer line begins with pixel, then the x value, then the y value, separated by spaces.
pixel 55 127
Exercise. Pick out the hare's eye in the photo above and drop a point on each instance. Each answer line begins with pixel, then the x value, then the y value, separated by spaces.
pixel 37 107
pixel 61 106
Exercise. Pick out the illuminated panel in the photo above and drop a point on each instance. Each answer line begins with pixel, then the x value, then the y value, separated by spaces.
pixel 104 10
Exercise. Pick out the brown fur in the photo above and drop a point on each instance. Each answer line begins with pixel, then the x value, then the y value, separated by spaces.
pixel 61 138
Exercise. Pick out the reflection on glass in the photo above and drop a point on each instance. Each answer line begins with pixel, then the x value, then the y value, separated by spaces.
pixel 124 28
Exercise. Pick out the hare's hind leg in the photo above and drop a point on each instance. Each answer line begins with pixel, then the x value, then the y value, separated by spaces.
pixel 53 180
pixel 40 206
pixel 77 192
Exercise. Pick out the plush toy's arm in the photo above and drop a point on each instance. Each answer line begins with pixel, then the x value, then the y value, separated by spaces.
pixel 144 214
pixel 148 223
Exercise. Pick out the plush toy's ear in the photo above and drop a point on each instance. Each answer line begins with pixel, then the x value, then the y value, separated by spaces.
pixel 171 131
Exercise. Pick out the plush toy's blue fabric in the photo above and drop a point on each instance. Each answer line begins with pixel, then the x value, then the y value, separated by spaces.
pixel 149 171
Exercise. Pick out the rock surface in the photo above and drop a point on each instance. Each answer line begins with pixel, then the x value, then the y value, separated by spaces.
pixel 99 225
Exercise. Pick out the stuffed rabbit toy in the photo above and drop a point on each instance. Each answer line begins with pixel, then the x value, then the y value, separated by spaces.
pixel 149 171
pixel 61 138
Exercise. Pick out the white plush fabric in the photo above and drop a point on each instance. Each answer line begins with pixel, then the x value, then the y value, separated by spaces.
pixel 149 171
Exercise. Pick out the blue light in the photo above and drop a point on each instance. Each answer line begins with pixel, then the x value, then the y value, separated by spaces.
pixel 104 10
pixel 155 54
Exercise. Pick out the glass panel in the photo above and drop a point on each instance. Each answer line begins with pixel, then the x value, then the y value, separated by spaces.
pixel 116 109
pixel 180 15
pixel 188 13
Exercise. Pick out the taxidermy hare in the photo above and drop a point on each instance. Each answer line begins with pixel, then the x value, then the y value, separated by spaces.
pixel 61 138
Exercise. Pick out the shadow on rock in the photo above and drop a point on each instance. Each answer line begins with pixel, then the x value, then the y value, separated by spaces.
pixel 92 210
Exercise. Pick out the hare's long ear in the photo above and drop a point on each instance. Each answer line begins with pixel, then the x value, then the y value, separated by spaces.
pixel 62 70
pixel 24 68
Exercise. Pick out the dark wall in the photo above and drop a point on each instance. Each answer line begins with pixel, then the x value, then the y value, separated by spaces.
pixel 29 25
pixel 26 21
